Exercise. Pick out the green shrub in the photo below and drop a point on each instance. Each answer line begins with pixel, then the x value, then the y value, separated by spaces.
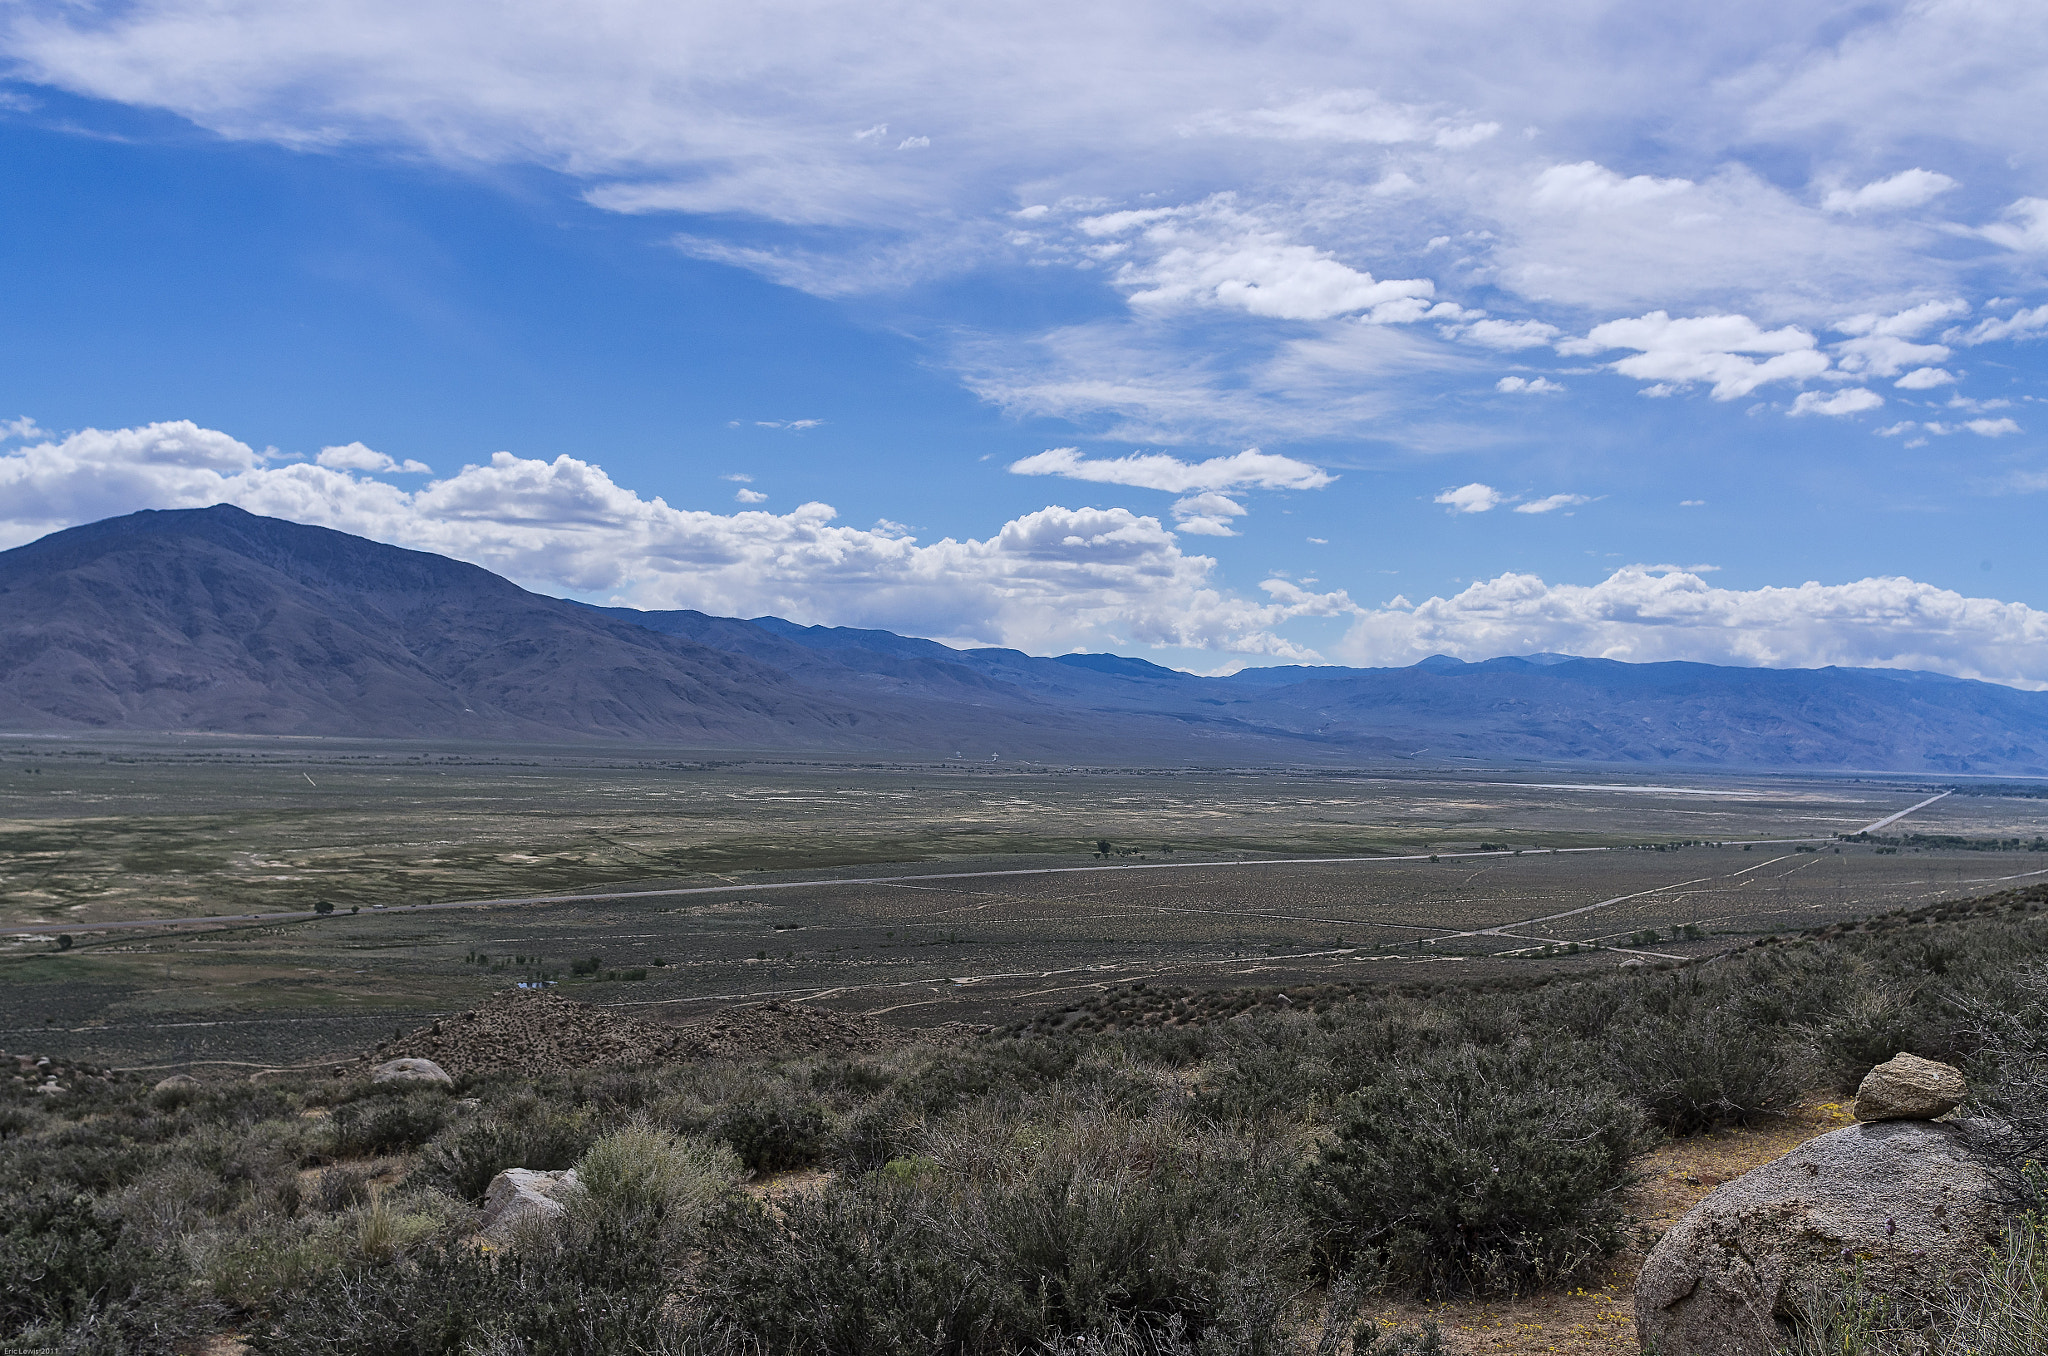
pixel 70 1266
pixel 528 1134
pixel 384 1125
pixel 1694 1064
pixel 773 1133
pixel 648 1183
pixel 1477 1172
pixel 1021 1235
pixel 457 1301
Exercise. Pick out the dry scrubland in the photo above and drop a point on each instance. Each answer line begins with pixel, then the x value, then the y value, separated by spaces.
pixel 1160 1170
pixel 98 831
pixel 1223 1107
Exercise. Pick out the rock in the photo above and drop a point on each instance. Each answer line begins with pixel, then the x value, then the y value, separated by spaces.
pixel 1909 1088
pixel 519 1198
pixel 411 1071
pixel 1907 1198
pixel 176 1083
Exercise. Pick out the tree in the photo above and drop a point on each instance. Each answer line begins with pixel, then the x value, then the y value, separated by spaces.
pixel 1102 846
pixel 63 941
pixel 324 907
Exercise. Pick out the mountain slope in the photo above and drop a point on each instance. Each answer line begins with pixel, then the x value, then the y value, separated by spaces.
pixel 215 619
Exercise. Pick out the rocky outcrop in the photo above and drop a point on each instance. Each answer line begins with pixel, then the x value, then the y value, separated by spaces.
pixel 1907 1199
pixel 519 1198
pixel 1909 1088
pixel 411 1071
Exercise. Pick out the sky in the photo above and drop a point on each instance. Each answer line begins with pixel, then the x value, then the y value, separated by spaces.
pixel 1218 334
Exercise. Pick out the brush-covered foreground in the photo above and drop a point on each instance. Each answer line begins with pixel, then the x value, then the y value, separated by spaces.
pixel 1172 1172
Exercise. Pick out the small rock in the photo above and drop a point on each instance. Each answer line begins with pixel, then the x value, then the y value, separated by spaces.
pixel 1909 1088
pixel 176 1083
pixel 411 1071
pixel 519 1197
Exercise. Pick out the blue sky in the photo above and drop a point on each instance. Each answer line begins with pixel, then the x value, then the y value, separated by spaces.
pixel 1222 335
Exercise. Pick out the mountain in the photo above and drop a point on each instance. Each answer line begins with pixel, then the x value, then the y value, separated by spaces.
pixel 216 619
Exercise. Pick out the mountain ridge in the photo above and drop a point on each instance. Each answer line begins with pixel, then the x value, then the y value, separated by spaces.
pixel 217 619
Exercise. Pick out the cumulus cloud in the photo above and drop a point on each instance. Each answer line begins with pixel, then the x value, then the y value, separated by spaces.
pixel 1709 348
pixel 1882 346
pixel 1643 614
pixel 1840 403
pixel 2023 324
pixel 1207 514
pixel 749 497
pixel 1473 498
pixel 356 457
pixel 1924 379
pixel 1907 188
pixel 1045 581
pixel 1249 469
pixel 1550 503
pixel 1527 385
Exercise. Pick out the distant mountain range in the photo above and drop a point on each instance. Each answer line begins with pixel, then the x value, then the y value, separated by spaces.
pixel 219 620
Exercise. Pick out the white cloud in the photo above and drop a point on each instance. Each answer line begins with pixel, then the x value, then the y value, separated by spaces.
pixel 1249 469
pixel 1983 428
pixel 1588 185
pixel 749 497
pixel 2026 324
pixel 1473 498
pixel 1046 581
pixel 1924 379
pixel 1508 334
pixel 2025 227
pixel 356 457
pixel 794 425
pixel 1214 254
pixel 1345 141
pixel 1692 503
pixel 913 143
pixel 1853 401
pixel 1527 385
pixel 1907 188
pixel 1883 347
pixel 24 427
pixel 741 477
pixel 1207 514
pixel 1552 502
pixel 1705 348
pixel 1644 614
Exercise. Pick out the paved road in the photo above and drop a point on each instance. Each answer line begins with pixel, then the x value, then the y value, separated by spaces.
pixel 1893 819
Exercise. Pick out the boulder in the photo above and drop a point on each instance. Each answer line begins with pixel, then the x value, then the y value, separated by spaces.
pixel 176 1083
pixel 1909 1088
pixel 1908 1199
pixel 411 1071
pixel 520 1198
